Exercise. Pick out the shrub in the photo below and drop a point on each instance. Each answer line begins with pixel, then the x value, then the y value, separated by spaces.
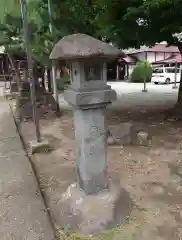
pixel 142 71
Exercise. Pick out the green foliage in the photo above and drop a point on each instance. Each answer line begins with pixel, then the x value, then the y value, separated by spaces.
pixel 62 84
pixel 143 71
pixel 126 23
pixel 11 31
pixel 68 16
pixel 131 23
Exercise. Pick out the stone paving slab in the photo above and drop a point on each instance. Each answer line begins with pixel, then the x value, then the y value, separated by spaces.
pixel 11 146
pixel 22 211
pixel 9 129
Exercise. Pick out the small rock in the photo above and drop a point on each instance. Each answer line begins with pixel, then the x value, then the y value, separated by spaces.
pixel 122 150
pixel 175 179
pixel 111 140
pixel 179 188
pixel 180 145
pixel 143 138
pixel 180 171
pixel 121 133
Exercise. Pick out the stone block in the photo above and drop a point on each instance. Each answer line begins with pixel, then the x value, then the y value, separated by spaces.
pixel 111 140
pixel 143 138
pixel 39 147
pixel 10 96
pixel 121 133
pixel 89 98
pixel 92 214
pixel 11 146
pixel 129 133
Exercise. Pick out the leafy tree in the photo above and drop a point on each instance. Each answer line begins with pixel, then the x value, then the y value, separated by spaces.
pixel 68 16
pixel 136 22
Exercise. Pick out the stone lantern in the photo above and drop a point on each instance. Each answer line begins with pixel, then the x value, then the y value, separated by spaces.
pixel 89 95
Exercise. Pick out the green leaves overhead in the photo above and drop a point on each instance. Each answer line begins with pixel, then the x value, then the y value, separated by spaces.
pixel 136 22
pixel 126 23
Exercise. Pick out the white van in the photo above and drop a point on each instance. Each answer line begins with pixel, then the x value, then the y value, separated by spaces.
pixel 165 75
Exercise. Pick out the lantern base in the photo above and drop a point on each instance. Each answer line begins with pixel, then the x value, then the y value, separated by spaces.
pixel 38 147
pixel 91 214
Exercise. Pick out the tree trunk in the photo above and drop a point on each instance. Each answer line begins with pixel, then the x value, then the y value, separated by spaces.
pixel 179 101
pixel 43 80
pixel 36 76
pixel 41 76
pixel 176 111
pixel 49 80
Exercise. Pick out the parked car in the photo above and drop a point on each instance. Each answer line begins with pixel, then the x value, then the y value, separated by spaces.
pixel 165 75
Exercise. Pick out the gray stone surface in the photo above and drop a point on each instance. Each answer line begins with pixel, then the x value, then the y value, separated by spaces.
pixel 143 138
pixel 121 133
pixel 129 133
pixel 9 129
pixel 90 97
pixel 79 82
pixel 83 46
pixel 14 146
pixel 111 140
pixel 92 214
pixel 90 137
pixel 10 96
pixel 22 211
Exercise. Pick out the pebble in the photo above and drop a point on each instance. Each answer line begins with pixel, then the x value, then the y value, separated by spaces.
pixel 110 140
pixel 180 171
pixel 175 179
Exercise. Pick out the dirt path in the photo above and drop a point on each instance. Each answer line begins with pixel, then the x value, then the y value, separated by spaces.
pixel 151 175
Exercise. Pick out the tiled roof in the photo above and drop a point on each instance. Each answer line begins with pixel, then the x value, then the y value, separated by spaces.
pixel 134 50
pixel 156 48
pixel 173 59
pixel 163 48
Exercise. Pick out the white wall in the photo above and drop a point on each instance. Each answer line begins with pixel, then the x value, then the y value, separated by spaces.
pixel 157 56
pixel 130 69
pixel 152 56
pixel 141 56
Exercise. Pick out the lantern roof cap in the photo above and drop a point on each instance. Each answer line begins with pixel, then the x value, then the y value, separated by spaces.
pixel 79 46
